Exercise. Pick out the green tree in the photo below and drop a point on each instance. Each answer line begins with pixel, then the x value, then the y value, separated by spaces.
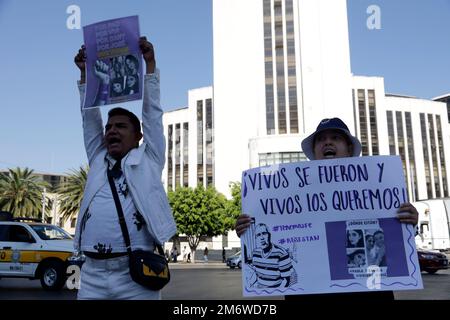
pixel 21 193
pixel 199 212
pixel 49 202
pixel 70 193
pixel 233 206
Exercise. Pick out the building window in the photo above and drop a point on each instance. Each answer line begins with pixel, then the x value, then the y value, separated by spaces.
pixel 268 58
pixel 281 96
pixel 390 124
pixel 401 142
pixel 185 154
pixel 433 146
pixel 373 122
pixel 448 108
pixel 277 10
pixel 363 122
pixel 267 159
pixel 293 108
pixel 292 78
pixel 53 180
pixel 209 142
pixel 270 110
pixel 177 155
pixel 278 87
pixel 411 156
pixel 426 155
pixel 442 156
pixel 169 157
pixel 355 113
pixel 200 142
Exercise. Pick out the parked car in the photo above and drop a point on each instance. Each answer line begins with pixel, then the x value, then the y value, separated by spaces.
pixel 235 261
pixel 34 250
pixel 432 261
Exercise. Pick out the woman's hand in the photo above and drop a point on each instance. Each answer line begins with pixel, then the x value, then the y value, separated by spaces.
pixel 407 213
pixel 242 224
pixel 80 62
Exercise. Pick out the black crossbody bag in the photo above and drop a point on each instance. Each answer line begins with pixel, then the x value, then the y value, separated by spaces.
pixel 147 268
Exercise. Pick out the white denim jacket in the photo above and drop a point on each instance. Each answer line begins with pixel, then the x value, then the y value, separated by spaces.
pixel 142 166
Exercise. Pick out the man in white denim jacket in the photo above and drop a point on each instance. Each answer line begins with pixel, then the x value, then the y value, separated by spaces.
pixel 105 274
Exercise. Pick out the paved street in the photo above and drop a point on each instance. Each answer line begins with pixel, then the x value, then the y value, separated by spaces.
pixel 202 282
pixel 212 281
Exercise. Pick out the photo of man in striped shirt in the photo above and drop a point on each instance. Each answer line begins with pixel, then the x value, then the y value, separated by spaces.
pixel 271 263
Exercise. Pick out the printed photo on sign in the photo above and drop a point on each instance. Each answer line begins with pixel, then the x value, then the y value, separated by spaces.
pixel 366 245
pixel 267 264
pixel 362 250
pixel 124 74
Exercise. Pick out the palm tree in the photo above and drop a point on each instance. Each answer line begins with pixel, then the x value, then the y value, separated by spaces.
pixel 71 192
pixel 21 192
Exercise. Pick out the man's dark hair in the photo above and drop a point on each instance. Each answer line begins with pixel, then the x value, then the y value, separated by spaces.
pixel 124 112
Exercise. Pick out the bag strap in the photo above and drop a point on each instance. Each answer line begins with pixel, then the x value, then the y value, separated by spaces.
pixel 122 222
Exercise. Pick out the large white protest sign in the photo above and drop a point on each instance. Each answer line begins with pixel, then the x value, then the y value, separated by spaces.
pixel 327 226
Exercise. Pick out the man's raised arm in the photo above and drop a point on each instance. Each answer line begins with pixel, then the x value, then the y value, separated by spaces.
pixel 92 118
pixel 151 109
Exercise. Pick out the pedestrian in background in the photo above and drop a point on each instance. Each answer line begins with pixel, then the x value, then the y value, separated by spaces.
pixel 184 254
pixel 331 140
pixel 174 254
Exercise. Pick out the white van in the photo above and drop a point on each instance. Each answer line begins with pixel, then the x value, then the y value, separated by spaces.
pixel 434 227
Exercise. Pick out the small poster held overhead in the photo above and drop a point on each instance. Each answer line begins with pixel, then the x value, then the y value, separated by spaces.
pixel 113 62
pixel 327 226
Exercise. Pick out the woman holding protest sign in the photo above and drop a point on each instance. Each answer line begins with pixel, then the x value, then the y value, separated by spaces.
pixel 332 139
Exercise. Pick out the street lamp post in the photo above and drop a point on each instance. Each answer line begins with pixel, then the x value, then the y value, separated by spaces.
pixel 43 205
pixel 55 220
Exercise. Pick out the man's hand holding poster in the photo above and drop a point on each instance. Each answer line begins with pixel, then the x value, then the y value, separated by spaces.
pixel 113 62
pixel 327 226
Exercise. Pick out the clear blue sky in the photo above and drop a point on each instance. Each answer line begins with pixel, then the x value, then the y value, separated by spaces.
pixel 40 122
